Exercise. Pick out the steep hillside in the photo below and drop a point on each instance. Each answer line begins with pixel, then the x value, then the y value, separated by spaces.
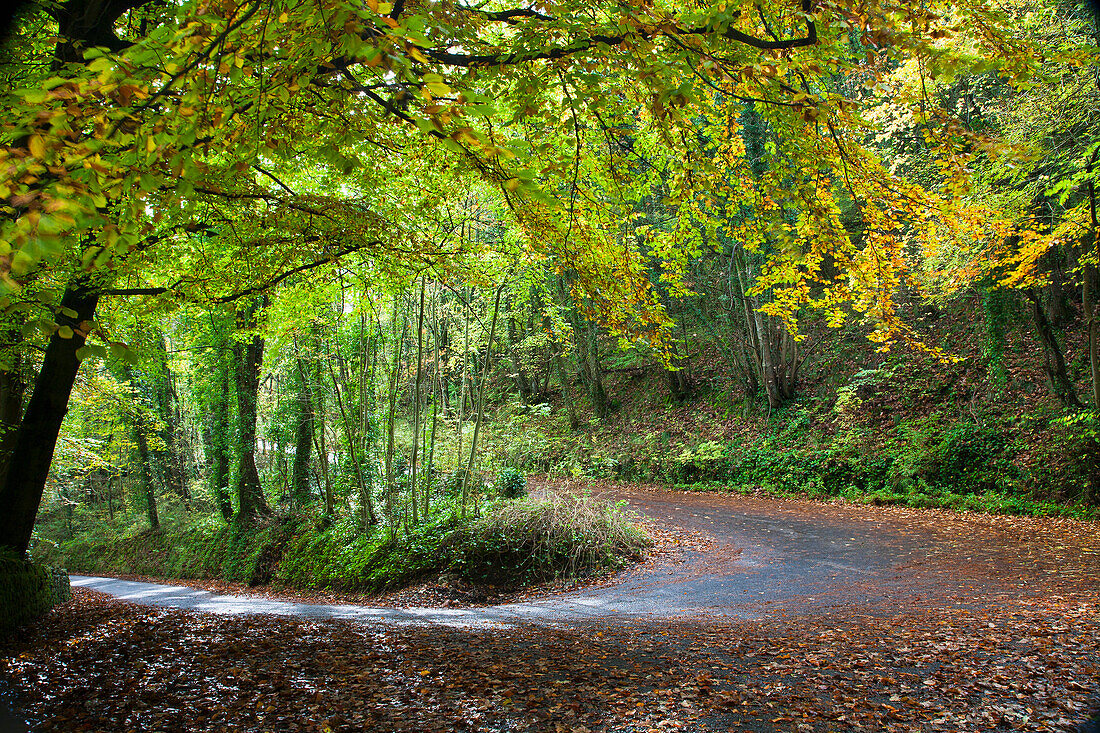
pixel 961 419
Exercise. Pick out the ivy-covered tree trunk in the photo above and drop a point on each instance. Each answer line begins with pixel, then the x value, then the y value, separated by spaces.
pixel 248 355
pixel 217 433
pixel 303 439
pixel 148 489
pixel 36 438
pixel 166 404
pixel 137 417
pixel 1054 363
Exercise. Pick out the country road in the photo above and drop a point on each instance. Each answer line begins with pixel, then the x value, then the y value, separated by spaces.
pixel 751 558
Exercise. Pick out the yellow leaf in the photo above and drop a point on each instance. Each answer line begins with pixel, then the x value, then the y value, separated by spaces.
pixel 150 144
pixel 438 89
pixel 284 17
pixel 416 54
pixel 37 146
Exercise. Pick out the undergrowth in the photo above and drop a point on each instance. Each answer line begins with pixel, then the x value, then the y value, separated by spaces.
pixel 930 460
pixel 555 536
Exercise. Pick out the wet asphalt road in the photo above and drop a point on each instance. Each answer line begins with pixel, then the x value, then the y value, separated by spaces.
pixel 751 558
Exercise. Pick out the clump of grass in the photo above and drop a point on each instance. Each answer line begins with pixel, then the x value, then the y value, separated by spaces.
pixel 542 538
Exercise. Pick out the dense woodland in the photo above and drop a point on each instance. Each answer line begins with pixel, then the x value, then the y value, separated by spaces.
pixel 289 285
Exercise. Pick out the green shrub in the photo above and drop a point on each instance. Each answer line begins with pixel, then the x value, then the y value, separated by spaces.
pixel 511 483
pixel 537 539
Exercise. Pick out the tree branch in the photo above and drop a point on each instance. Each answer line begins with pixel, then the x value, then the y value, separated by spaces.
pixel 255 289
pixel 586 44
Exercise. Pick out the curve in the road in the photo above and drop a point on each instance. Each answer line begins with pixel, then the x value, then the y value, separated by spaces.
pixel 764 557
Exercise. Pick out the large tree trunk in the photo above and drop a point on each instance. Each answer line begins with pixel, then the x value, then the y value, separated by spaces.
pixel 249 358
pixel 36 439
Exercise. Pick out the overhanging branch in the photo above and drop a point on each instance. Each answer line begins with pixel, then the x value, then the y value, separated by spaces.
pixel 255 289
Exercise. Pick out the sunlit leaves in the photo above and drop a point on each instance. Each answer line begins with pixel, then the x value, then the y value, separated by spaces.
pixel 545 104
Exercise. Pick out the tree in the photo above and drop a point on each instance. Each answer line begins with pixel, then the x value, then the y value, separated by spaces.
pixel 248 354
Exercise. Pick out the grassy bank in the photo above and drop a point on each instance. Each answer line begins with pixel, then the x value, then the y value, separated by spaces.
pixel 506 543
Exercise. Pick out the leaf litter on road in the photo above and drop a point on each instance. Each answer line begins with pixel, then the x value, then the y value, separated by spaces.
pixel 979 624
pixel 99 664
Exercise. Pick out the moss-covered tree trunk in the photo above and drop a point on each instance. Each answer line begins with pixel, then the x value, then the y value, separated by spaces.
pixel 138 418
pixel 303 439
pixel 217 432
pixel 248 355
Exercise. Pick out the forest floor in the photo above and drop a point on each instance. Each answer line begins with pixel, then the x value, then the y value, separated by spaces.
pixel 770 615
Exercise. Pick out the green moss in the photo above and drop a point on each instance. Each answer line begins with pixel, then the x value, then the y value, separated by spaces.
pixel 508 542
pixel 28 590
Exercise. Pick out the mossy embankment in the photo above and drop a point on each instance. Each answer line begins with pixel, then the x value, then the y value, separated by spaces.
pixel 506 543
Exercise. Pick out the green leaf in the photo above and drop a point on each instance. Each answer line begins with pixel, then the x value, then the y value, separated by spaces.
pixel 96 350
